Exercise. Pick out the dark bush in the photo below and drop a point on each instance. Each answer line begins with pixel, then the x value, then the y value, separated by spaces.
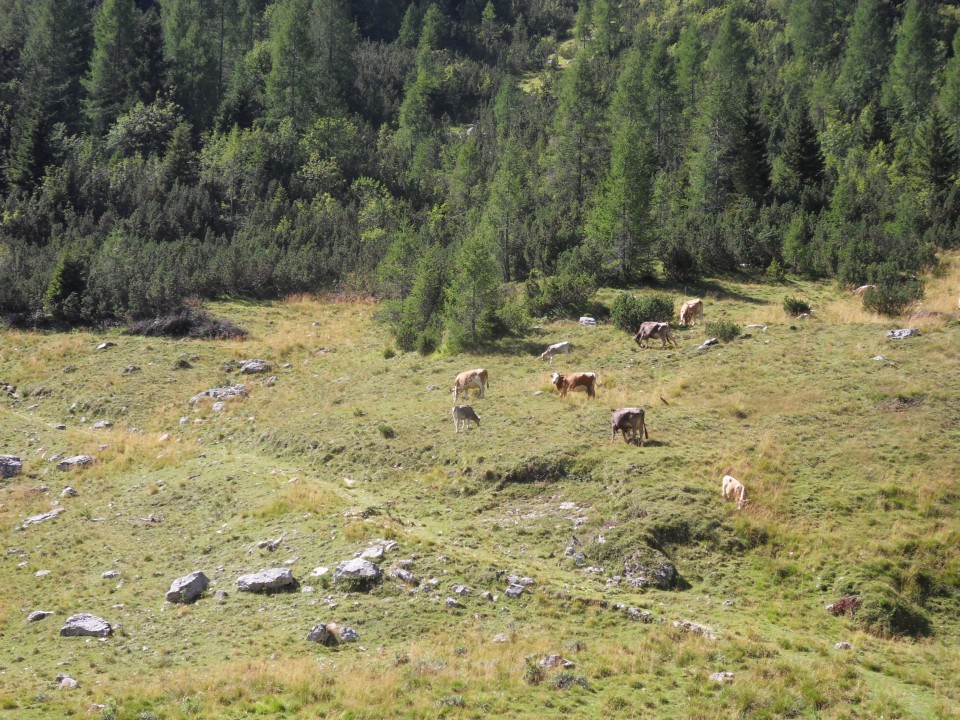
pixel 564 680
pixel 795 306
pixel 723 330
pixel 680 265
pixel 893 291
pixel 886 613
pixel 188 323
pixel 563 295
pixel 628 311
pixel 847 605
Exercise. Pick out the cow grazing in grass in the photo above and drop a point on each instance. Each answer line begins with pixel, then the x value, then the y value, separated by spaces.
pixel 560 347
pixel 462 415
pixel 470 378
pixel 862 290
pixel 690 311
pixel 629 419
pixel 734 490
pixel 571 381
pixel 656 330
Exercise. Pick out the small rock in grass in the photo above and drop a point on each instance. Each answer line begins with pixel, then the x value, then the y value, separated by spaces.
pixel 131 369
pixel 105 345
pixel 461 590
pixel 319 571
pixel 102 425
pixel 67 682
pixel 10 466
pixel 722 677
pixel 501 638
pixel 110 574
pixel 372 553
pixel 843 646
pixel 357 572
pixel 902 333
pixel 695 628
pixel 453 603
pixel 38 615
pixel 76 461
pixel 514 591
pixel 556 661
pixel 219 406
pixel 86 625
pixel 266 580
pixel 187 588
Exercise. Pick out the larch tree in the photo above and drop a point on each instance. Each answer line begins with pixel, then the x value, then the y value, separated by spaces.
pixel 111 83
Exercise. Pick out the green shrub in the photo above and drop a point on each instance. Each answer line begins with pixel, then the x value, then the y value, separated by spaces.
pixel 723 330
pixel 680 265
pixel 533 674
pixel 387 431
pixel 795 306
pixel 893 292
pixel 563 680
pixel 886 613
pixel 563 295
pixel 628 311
pixel 388 353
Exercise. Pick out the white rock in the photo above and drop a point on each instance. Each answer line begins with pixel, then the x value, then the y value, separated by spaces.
pixel 84 624
pixel 722 677
pixel 266 580
pixel 187 588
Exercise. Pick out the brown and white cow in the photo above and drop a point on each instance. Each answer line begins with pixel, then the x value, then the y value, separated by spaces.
pixel 556 349
pixel 690 311
pixel 468 379
pixel 656 330
pixel 571 381
pixel 631 419
pixel 462 415
pixel 734 490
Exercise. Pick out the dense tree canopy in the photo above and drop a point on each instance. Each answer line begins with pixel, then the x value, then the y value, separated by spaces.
pixel 439 152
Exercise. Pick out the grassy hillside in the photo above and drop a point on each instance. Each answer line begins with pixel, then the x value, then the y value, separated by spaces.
pixel 851 466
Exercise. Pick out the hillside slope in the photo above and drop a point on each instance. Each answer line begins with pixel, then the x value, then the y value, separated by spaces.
pixel 851 465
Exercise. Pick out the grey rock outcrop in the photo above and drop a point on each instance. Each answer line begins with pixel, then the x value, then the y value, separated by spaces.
pixel 722 677
pixel 187 588
pixel 102 425
pixel 221 393
pixel 76 461
pixel 10 466
pixel 252 367
pixel 902 333
pixel 331 634
pixel 644 569
pixel 67 682
pixel 695 628
pixel 68 492
pixel 86 625
pixel 34 519
pixel 357 573
pixel 266 580
pixel 37 615
pixel 513 591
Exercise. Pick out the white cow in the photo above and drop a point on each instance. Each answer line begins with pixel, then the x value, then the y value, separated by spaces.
pixel 462 415
pixel 733 489
pixel 556 349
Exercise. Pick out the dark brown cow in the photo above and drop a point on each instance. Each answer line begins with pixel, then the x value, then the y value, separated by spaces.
pixel 631 419
pixel 571 381
pixel 656 330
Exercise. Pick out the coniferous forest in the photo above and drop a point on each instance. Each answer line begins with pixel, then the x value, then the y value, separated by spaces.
pixel 473 163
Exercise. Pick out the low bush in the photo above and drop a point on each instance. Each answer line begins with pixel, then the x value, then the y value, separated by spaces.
pixel 563 295
pixel 892 292
pixel 628 311
pixel 886 613
pixel 388 432
pixel 564 680
pixel 188 323
pixel 795 306
pixel 723 330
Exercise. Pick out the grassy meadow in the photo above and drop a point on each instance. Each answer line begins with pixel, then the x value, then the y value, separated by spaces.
pixel 851 465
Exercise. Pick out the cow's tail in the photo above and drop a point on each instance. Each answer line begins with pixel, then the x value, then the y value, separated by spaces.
pixel 645 433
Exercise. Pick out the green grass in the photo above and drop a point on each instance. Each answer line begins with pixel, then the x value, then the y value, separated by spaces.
pixel 849 486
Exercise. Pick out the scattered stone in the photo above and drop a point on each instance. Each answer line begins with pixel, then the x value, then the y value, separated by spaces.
pixel 131 369
pixel 164 437
pixel 461 590
pixel 34 519
pixel 221 393
pixel 902 333
pixel 727 603
pixel 587 320
pixel 525 581
pixel 501 638
pixel 332 634
pixel 252 367
pixel 84 624
pixel 453 603
pixel 38 615
pixel 105 345
pixel 110 574
pixel 358 573
pixel 69 369
pixel 220 596
pixel 556 661
pixel 643 571
pixel 67 682
pixel 102 425
pixel 286 366
pixel 270 381
pixel 755 326
pixel 708 343
pixel 568 506
pixel 635 613
pixel 403 575
pixel 219 406
pixel 60 426
pixel 187 588
pixel 266 580
pixel 514 591
pixel 76 461
pixel 10 466
pixel 272 545
pixel 372 553
pixel 307 589
pixel 41 573
pixel 487 595
pixel 879 358
pixel 10 389
pixel 722 677
pixel 182 364
pixel 431 388
pixel 594 570
pixel 319 571
pixel 695 628
pixel 843 646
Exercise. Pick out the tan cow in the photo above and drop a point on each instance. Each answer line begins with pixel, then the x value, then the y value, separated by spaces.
pixel 631 419
pixel 733 489
pixel 571 381
pixel 690 311
pixel 470 378
pixel 462 415
pixel 651 329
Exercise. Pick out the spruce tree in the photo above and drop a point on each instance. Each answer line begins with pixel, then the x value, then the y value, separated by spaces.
pixel 866 56
pixel 111 84
pixel 911 85
pixel 950 92
pixel 294 68
pixel 473 296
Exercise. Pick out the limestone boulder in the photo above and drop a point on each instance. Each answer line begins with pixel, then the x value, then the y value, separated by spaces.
pixel 187 588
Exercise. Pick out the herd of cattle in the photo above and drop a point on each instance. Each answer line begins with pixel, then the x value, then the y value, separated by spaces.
pixel 629 421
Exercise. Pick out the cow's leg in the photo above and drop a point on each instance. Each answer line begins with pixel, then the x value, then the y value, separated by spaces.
pixel 456 424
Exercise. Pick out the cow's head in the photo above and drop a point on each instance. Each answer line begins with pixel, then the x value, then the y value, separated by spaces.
pixel 555 378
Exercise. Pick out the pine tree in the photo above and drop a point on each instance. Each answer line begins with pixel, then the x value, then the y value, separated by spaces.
pixel 912 72
pixel 294 68
pixel 663 107
pixel 950 92
pixel 194 34
pixel 866 56
pixel 507 206
pixel 810 28
pixel 473 297
pixel 111 84
pixel 801 155
pixel 936 154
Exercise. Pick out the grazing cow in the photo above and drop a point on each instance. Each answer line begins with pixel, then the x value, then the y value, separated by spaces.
pixel 470 378
pixel 733 489
pixel 631 419
pixel 862 290
pixel 690 311
pixel 462 415
pixel 560 347
pixel 571 381
pixel 655 330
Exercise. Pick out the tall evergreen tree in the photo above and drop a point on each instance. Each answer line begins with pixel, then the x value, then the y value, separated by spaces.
pixel 912 73
pixel 950 92
pixel 507 207
pixel 865 60
pixel 800 155
pixel 294 67
pixel 112 80
pixel 473 296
